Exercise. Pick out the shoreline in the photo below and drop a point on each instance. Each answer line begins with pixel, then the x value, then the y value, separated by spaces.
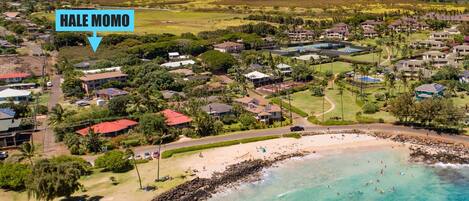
pixel 421 149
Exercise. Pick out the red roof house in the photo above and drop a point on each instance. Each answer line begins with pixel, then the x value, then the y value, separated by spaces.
pixel 176 119
pixel 110 129
pixel 13 77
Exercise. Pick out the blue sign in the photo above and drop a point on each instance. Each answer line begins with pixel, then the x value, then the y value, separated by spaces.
pixel 94 21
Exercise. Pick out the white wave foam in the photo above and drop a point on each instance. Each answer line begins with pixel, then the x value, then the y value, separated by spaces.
pixel 450 165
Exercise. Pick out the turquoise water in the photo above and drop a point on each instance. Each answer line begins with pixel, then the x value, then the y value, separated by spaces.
pixel 354 175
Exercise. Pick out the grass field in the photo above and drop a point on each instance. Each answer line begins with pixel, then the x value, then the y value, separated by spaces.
pixel 337 67
pixel 177 22
pixel 306 3
pixel 308 103
pixel 371 57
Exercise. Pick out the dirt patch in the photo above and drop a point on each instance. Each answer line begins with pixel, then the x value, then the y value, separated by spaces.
pixel 28 64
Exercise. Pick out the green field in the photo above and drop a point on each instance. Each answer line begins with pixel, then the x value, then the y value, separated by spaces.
pixel 177 22
pixel 371 57
pixel 308 103
pixel 336 67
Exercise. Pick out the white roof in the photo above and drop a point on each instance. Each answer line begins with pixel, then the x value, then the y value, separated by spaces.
pixel 283 66
pixel 118 68
pixel 256 75
pixel 173 54
pixel 10 93
pixel 176 64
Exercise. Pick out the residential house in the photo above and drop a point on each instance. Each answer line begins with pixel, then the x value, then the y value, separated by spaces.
pixel 169 94
pixel 370 33
pixel 85 64
pixel 217 109
pixel 10 133
pixel 15 95
pixel 178 64
pixel 429 90
pixel 301 35
pixel 110 93
pixel 285 69
pixel 412 63
pixel 464 77
pixel 257 78
pixel 458 18
pixel 109 129
pixel 408 24
pixel 429 44
pixel 370 24
pixel 12 16
pixel 6 44
pixel 401 66
pixel 176 119
pixel 461 50
pixel 173 55
pixel 339 31
pixel 266 113
pixel 229 47
pixel 95 81
pixel 438 59
pixel 101 70
pixel 440 36
pixel 13 77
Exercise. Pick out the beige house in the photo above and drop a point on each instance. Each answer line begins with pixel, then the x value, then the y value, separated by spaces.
pixel 229 47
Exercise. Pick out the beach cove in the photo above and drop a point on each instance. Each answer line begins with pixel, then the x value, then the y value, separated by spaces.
pixel 256 163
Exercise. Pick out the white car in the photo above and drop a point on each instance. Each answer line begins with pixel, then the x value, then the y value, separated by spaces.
pixel 49 84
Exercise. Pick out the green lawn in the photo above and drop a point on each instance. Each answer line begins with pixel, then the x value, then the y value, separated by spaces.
pixel 336 67
pixel 461 102
pixel 371 57
pixel 308 103
pixel 177 22
pixel 349 105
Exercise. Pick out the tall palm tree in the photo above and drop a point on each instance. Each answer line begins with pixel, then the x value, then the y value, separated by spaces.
pixel 341 92
pixel 131 154
pixel 57 115
pixel 28 151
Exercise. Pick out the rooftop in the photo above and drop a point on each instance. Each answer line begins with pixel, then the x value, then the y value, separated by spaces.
pixel 176 64
pixel 108 127
pixel 10 93
pixel 100 76
pixel 214 108
pixel 256 75
pixel 432 88
pixel 111 92
pixel 174 118
pixel 14 75
pixel 227 45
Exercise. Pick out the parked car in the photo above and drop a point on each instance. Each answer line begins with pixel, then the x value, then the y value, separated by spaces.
pixel 147 156
pixel 138 157
pixel 156 154
pixel 297 128
pixel 82 103
pixel 49 84
pixel 3 155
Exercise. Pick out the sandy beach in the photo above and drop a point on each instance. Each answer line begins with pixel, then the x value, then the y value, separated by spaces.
pixel 207 162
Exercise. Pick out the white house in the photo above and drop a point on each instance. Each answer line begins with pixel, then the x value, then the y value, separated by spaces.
pixel 14 95
pixel 257 78
pixel 178 64
pixel 284 68
pixel 439 36
pixel 173 55
pixel 461 50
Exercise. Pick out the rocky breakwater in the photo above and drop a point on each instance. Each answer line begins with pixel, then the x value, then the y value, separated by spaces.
pixel 431 150
pixel 202 189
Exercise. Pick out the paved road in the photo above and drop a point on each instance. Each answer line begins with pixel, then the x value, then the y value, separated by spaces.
pixel 49 145
pixel 277 131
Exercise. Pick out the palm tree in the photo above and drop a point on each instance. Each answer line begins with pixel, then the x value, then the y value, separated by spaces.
pixel 28 151
pixel 131 154
pixel 403 78
pixel 57 115
pixel 341 92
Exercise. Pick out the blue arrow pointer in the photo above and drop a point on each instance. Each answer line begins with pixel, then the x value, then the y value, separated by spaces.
pixel 94 41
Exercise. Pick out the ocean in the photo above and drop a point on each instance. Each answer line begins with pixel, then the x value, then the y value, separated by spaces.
pixel 382 174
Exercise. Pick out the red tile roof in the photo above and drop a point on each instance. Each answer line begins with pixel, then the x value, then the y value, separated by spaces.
pixel 175 118
pixel 14 75
pixel 109 127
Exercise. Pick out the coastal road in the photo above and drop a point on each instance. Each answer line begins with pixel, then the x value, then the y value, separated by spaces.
pixel 283 130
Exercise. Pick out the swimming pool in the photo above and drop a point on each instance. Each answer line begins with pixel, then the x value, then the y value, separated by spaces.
pixel 368 79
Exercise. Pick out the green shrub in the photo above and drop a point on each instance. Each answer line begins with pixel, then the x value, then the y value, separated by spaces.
pixel 115 161
pixel 370 108
pixel 169 153
pixel 80 163
pixel 131 143
pixel 292 135
pixel 13 176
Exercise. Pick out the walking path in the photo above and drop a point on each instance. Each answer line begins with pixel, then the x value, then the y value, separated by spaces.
pixel 330 109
